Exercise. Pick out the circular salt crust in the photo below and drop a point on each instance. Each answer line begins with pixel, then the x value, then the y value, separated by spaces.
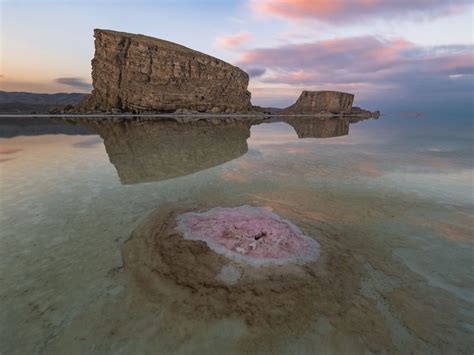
pixel 249 234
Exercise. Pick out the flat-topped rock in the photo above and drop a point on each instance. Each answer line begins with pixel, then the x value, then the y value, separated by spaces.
pixel 321 101
pixel 137 73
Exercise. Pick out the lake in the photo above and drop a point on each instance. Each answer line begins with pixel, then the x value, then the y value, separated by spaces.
pixel 390 202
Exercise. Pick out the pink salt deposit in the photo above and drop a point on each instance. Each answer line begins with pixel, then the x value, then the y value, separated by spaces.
pixel 250 234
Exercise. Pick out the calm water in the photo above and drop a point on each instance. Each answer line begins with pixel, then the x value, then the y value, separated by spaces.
pixel 390 200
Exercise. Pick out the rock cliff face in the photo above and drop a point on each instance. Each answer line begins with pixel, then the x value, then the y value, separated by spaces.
pixel 137 73
pixel 321 101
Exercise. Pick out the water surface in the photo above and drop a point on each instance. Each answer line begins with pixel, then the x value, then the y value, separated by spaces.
pixel 394 194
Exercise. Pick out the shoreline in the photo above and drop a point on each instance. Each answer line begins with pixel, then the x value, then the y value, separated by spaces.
pixel 171 115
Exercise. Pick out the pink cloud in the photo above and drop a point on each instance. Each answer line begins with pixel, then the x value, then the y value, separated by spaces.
pixel 369 64
pixel 361 52
pixel 233 41
pixel 355 10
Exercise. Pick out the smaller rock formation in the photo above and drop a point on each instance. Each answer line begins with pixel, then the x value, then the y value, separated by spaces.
pixel 321 101
pixel 327 103
pixel 361 113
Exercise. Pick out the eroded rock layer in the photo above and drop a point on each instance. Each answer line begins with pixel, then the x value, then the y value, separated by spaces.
pixel 137 73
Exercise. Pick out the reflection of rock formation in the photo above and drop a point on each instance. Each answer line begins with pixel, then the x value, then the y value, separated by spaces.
pixel 320 127
pixel 136 73
pixel 144 151
pixel 314 127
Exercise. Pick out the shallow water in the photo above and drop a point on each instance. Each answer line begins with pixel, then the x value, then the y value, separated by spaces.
pixel 392 198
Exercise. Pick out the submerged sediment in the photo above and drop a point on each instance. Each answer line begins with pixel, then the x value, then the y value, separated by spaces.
pixel 273 299
pixel 337 292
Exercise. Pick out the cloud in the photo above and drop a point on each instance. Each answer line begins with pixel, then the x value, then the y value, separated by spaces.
pixel 77 83
pixel 255 72
pixel 328 54
pixel 233 41
pixel 344 11
pixel 371 67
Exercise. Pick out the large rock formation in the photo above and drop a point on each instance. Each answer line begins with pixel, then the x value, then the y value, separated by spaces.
pixel 137 73
pixel 321 101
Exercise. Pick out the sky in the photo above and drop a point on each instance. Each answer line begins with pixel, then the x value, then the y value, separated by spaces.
pixel 413 55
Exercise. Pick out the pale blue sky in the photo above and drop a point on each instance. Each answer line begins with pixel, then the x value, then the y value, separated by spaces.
pixel 45 40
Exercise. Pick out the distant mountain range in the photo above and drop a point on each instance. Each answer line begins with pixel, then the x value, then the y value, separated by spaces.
pixel 27 102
